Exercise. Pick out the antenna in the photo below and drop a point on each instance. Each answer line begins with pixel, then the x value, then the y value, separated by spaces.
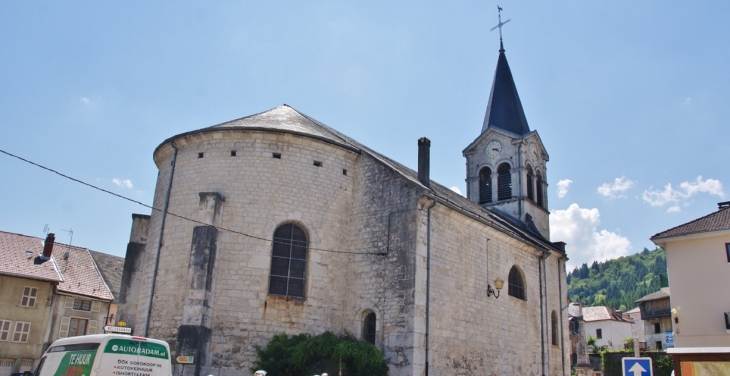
pixel 65 255
pixel 500 24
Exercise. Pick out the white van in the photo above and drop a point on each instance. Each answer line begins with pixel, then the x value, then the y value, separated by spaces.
pixel 106 355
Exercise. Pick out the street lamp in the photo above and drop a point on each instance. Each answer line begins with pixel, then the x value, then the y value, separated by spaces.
pixel 498 284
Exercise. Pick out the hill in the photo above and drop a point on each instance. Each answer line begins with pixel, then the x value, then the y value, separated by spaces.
pixel 618 283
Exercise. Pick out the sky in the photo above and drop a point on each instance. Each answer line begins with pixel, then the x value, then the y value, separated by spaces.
pixel 630 98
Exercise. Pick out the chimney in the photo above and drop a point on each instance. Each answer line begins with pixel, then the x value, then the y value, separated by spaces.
pixel 424 161
pixel 47 250
pixel 723 205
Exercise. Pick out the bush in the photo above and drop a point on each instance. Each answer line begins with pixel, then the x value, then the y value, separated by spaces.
pixel 305 354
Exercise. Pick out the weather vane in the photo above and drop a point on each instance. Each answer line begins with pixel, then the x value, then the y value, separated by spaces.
pixel 500 24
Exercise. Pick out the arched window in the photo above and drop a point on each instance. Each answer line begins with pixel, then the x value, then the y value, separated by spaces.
pixel 504 182
pixel 516 284
pixel 288 262
pixel 368 328
pixel 485 185
pixel 539 190
pixel 530 182
pixel 554 327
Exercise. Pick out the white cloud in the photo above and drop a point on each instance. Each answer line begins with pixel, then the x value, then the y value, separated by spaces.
pixel 674 209
pixel 578 227
pixel 686 191
pixel 563 187
pixel 124 183
pixel 456 189
pixel 84 100
pixel 615 190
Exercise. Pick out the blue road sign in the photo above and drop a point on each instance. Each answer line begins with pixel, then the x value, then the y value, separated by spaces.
pixel 636 367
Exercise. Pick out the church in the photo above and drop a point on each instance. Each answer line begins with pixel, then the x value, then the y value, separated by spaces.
pixel 277 223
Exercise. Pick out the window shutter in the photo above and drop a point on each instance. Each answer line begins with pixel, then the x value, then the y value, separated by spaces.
pixel 95 306
pixel 92 327
pixel 65 322
pixel 69 302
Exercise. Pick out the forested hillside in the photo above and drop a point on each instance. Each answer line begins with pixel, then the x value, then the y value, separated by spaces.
pixel 618 283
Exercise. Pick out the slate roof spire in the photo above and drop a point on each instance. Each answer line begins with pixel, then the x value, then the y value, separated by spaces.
pixel 504 110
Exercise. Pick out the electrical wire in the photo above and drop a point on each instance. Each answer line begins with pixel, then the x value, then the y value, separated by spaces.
pixel 173 214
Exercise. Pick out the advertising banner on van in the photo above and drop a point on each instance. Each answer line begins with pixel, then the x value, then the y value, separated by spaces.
pixel 135 358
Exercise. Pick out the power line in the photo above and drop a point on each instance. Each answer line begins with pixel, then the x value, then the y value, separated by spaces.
pixel 173 214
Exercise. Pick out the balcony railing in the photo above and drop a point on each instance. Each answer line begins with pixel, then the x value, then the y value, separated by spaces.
pixel 655 313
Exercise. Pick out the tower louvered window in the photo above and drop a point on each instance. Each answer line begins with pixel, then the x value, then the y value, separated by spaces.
pixel 485 185
pixel 516 284
pixel 539 189
pixel 530 181
pixel 288 262
pixel 504 182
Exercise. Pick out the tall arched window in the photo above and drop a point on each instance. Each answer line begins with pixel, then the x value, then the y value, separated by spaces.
pixel 516 284
pixel 368 328
pixel 539 190
pixel 288 262
pixel 530 182
pixel 554 327
pixel 485 185
pixel 504 182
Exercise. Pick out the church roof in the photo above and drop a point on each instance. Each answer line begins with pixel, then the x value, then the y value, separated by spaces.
pixel 288 120
pixel 504 110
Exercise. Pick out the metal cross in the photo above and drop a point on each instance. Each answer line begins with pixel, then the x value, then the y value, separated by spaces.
pixel 500 24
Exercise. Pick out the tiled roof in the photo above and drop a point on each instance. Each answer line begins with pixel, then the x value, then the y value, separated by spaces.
pixel 286 119
pixel 717 221
pixel 17 262
pixel 111 268
pixel 661 294
pixel 81 276
pixel 601 313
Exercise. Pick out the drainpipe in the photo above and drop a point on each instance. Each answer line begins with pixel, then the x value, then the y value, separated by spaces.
pixel 428 275
pixel 159 240
pixel 560 299
pixel 519 181
pixel 540 262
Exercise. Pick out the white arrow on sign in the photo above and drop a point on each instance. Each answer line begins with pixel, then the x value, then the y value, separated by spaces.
pixel 637 369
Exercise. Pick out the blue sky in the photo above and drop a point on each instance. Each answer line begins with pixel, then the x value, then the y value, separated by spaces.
pixel 630 99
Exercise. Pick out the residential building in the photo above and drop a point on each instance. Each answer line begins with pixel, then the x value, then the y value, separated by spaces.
pixel 26 301
pixel 608 326
pixel 283 224
pixel 657 317
pixel 637 328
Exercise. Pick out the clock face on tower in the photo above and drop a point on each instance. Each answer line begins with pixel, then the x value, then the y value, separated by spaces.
pixel 493 149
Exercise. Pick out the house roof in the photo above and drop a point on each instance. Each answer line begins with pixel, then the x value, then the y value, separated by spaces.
pixel 81 275
pixel 286 119
pixel 16 261
pixel 504 110
pixel 111 268
pixel 602 313
pixel 661 294
pixel 717 221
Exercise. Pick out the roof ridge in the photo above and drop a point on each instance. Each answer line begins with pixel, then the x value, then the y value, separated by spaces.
pixel 656 236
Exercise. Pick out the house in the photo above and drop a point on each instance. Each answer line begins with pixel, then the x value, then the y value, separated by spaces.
pixel 607 326
pixel 657 319
pixel 698 263
pixel 637 328
pixel 26 300
pixel 284 225
pixel 48 291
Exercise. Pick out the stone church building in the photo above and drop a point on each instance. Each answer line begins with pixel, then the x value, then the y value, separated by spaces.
pixel 297 228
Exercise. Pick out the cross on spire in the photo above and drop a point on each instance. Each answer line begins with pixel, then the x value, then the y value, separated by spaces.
pixel 499 25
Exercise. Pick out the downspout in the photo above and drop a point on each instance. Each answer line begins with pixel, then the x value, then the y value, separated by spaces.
pixel 519 181
pixel 560 299
pixel 159 240
pixel 540 262
pixel 428 274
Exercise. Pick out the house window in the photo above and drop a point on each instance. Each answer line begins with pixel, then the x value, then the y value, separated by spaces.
pixel 658 345
pixel 657 327
pixel 368 328
pixel 77 327
pixel 727 251
pixel 539 189
pixel 485 185
pixel 530 182
pixel 21 331
pixel 82 305
pixel 516 284
pixel 554 325
pixel 29 295
pixel 4 330
pixel 504 182
pixel 288 262
pixel 599 333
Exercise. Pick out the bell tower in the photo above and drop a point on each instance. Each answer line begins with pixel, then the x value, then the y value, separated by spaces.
pixel 506 164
